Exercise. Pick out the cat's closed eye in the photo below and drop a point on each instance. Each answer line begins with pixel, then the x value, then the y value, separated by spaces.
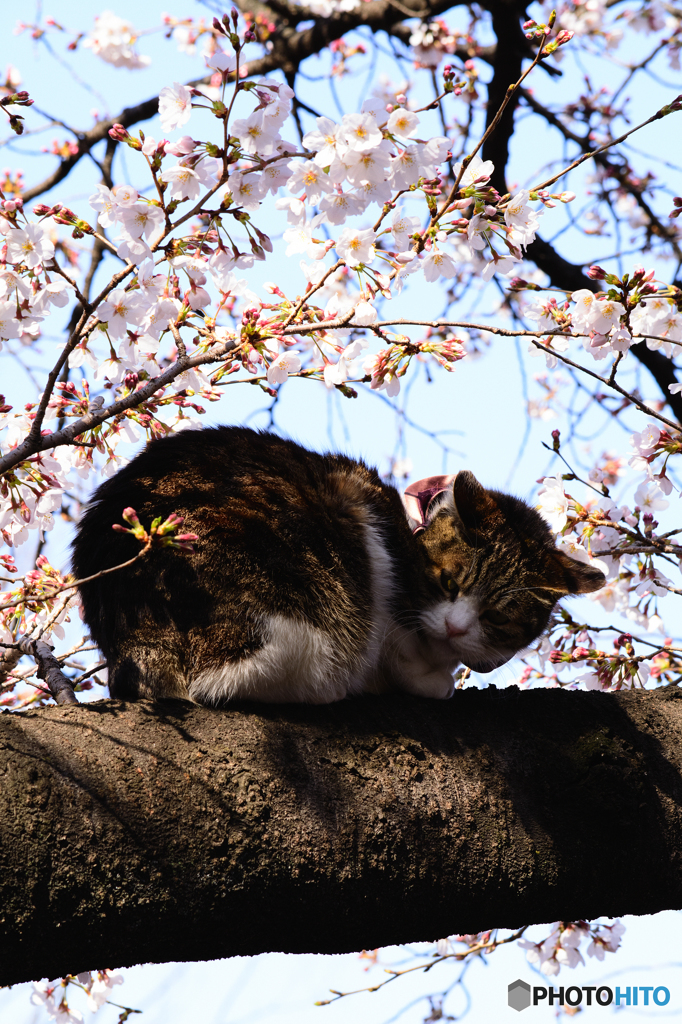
pixel 495 617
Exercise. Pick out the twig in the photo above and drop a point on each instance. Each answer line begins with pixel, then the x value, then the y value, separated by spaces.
pixel 71 586
pixel 49 670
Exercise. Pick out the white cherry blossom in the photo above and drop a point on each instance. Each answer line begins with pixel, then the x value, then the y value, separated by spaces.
pixel 175 106
pixel 405 168
pixel 325 141
pixel 504 265
pixel 223 62
pixel 553 503
pixel 431 155
pixel 372 192
pixel 650 498
pixel 247 190
pixel 120 308
pixel 308 177
pixel 104 201
pixel 143 219
pixel 476 169
pixel 356 246
pixel 437 263
pixel 30 245
pixel 255 136
pixel 124 195
pixel 605 314
pixel 402 227
pixel 584 300
pixel 157 316
pixel 402 122
pixel 9 325
pixel 183 181
pixel 365 313
pixel 360 132
pixel 282 366
pixel 134 249
pixel 366 165
pixel 113 40
pixel 338 206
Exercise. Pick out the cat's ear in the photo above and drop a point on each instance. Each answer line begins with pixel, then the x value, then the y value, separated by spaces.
pixel 477 510
pixel 569 576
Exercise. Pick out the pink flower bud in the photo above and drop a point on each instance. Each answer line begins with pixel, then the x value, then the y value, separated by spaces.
pixel 118 132
pixel 596 273
pixel 182 147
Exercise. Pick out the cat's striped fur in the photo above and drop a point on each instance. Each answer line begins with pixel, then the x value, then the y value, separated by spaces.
pixel 307 583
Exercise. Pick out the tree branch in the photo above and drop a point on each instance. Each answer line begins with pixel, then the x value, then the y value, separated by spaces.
pixel 139 832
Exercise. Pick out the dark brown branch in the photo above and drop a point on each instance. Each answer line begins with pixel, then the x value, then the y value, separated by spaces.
pixel 512 47
pixel 137 832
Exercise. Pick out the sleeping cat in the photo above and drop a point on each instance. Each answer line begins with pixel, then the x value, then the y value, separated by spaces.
pixel 309 582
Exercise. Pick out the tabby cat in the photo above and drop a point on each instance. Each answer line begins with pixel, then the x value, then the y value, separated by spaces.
pixel 309 581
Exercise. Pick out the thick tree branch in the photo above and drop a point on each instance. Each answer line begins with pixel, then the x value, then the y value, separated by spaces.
pixel 511 49
pixel 142 832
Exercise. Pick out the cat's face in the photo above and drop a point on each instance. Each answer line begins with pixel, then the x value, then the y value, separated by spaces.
pixel 494 575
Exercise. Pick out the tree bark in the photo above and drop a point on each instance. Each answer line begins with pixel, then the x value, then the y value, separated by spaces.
pixel 155 832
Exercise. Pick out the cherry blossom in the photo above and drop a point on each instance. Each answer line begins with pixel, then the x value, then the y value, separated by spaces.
pixel 476 171
pixel 184 182
pixel 143 219
pixel 402 122
pixel 360 132
pixel 437 264
pixel 175 106
pixel 30 245
pixel 356 246
pixel 113 40
pixel 9 325
pixel 553 504
pixel 282 366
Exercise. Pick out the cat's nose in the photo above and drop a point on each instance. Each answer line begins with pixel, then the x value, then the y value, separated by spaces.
pixel 454 630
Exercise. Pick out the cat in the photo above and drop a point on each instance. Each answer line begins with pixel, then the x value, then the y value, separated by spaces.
pixel 309 581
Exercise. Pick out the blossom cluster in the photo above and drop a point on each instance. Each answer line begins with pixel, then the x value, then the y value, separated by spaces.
pixel 561 948
pixel 97 986
pixel 610 323
pixel 624 544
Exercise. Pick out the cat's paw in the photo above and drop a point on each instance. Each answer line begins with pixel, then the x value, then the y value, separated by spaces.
pixel 437 683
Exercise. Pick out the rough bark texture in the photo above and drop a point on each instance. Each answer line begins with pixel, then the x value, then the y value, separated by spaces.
pixel 155 832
